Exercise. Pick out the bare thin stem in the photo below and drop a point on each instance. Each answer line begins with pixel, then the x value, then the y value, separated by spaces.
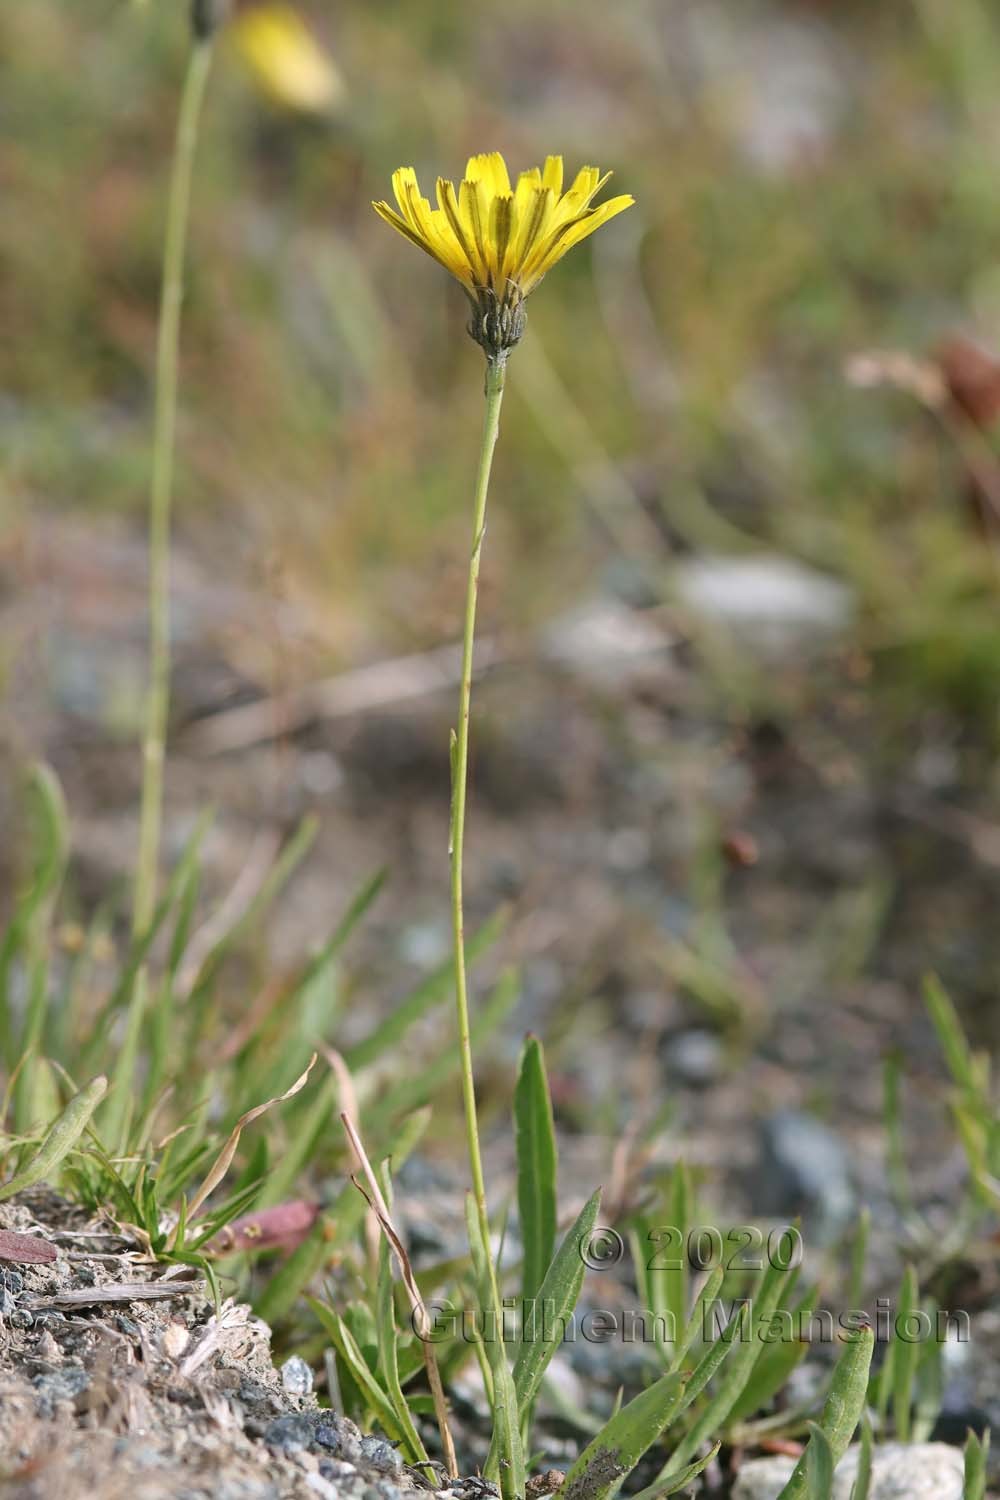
pixel 161 489
pixel 495 372
pixel 161 484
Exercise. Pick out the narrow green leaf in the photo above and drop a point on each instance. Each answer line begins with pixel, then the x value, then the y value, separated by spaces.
pixel 928 1383
pixel 620 1444
pixel 697 1322
pixel 388 1356
pixel 906 1356
pixel 557 1297
pixel 897 1171
pixel 819 1464
pixel 50 847
pixel 859 1258
pixel 956 1049
pixel 661 1487
pixel 507 1451
pixel 843 1409
pixel 59 1141
pixel 751 1343
pixel 349 1350
pixel 976 1454
pixel 677 1277
pixel 121 996
pixel 534 1135
pixel 863 1480
pixel 715 1355
pixel 776 1363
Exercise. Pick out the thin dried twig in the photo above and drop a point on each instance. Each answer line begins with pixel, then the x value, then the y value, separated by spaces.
pixel 117 1291
pixel 422 1321
pixel 349 1103
pixel 231 1315
pixel 225 1156
pixel 385 682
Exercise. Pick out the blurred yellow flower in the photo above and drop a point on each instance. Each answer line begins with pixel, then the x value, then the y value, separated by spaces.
pixel 497 240
pixel 286 59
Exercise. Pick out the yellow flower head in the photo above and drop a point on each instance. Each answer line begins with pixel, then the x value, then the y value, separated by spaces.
pixel 497 240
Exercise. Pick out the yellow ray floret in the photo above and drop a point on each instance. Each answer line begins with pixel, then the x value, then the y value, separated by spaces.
pixel 495 238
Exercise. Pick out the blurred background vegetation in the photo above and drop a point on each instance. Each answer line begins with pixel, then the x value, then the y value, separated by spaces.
pixel 815 181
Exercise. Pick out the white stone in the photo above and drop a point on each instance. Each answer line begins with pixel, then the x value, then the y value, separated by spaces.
pixel 602 638
pixel 772 602
pixel 900 1471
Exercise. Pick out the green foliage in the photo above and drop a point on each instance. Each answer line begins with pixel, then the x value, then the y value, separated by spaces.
pixel 862 1484
pixel 977 1452
pixel 534 1137
pixel 741 1344
pixel 43 1163
pixel 620 1444
pixel 730 293
pixel 507 1461
pixel 842 1412
pixel 977 1118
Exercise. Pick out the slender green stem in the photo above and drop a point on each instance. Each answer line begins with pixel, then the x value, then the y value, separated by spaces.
pixel 495 372
pixel 119 1105
pixel 161 485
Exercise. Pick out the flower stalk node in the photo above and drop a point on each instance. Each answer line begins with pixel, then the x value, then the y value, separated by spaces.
pixel 207 16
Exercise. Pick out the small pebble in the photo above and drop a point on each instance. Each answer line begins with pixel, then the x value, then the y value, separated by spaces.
pixel 900 1471
pixel 289 1433
pixel 53 1320
pixel 381 1454
pixel 47 1348
pixel 58 1386
pixel 296 1376
pixel 695 1057
pixel 175 1340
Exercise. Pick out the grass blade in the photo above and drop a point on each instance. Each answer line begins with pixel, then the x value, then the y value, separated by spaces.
pixel 388 1343
pixel 739 1369
pixel 622 1441
pixel 380 1207
pixel 349 1350
pixel 819 1464
pixel 976 1453
pixel 59 1141
pixel 863 1481
pixel 507 1452
pixel 843 1410
pixel 776 1363
pixel 676 1482
pixel 957 1052
pixel 906 1356
pixel 332 1229
pixel 706 1298
pixel 559 1293
pixel 535 1141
